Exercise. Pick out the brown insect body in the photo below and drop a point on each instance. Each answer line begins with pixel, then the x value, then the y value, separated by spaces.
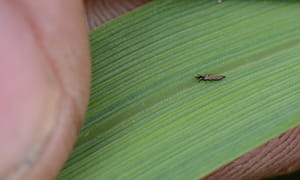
pixel 209 78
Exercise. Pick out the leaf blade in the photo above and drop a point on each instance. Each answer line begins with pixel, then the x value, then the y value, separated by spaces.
pixel 149 119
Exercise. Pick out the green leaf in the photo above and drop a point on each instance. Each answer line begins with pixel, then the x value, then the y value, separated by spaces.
pixel 148 116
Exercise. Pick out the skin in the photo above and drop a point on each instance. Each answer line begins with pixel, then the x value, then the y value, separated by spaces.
pixel 44 82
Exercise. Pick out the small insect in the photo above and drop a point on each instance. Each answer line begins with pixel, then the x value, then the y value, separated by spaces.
pixel 209 78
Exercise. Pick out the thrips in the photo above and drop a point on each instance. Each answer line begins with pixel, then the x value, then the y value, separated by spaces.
pixel 209 78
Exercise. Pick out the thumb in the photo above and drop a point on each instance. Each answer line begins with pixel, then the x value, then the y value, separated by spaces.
pixel 44 82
